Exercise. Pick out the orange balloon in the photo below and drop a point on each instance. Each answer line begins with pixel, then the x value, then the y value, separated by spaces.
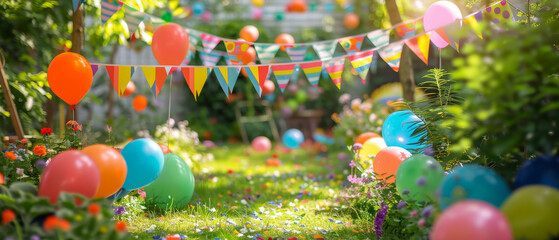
pixel 112 168
pixel 249 56
pixel 140 103
pixel 130 88
pixel 249 33
pixel 170 44
pixel 243 69
pixel 298 6
pixel 70 77
pixel 284 38
pixel 366 136
pixel 164 148
pixel 387 161
pixel 351 20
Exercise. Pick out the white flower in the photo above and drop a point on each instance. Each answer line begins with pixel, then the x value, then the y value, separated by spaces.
pixel 344 98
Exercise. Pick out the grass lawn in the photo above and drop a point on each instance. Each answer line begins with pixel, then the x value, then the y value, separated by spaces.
pixel 238 196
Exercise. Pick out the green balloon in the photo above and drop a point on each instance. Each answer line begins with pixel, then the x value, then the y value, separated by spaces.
pixel 174 186
pixel 292 103
pixel 421 175
pixel 301 96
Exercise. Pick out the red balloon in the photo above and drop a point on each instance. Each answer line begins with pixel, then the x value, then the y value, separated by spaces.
pixel 130 88
pixel 72 172
pixel 351 20
pixel 284 38
pixel 268 87
pixel 249 56
pixel 70 77
pixel 170 44
pixel 164 148
pixel 249 33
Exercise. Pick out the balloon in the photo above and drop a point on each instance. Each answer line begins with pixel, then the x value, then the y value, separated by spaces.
pixel 130 88
pixel 286 111
pixel 243 69
pixel 174 186
pixel 198 8
pixel 72 172
pixel 473 182
pixel 70 77
pixel 298 6
pixel 123 193
pixel 261 144
pixel 301 96
pixel 164 148
pixel 257 13
pixel 292 138
pixel 371 148
pixel 539 170
pixel 170 44
pixel 268 87
pixel 112 168
pixel 206 16
pixel 398 128
pixel 421 175
pixel 438 15
pixel 471 219
pixel 140 103
pixel 284 38
pixel 292 103
pixel 532 212
pixel 363 137
pixel 386 162
pixel 351 20
pixel 249 33
pixel 144 160
pixel 258 3
pixel 249 56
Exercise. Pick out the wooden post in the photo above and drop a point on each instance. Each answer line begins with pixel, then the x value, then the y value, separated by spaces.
pixel 11 106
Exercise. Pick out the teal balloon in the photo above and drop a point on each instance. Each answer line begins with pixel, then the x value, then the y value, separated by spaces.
pixel 292 138
pixel 421 175
pixel 174 187
pixel 398 129
pixel 144 160
pixel 473 182
pixel 301 96
pixel 198 8
pixel 119 194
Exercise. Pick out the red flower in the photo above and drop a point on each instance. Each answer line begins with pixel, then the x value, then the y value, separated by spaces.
pixel 11 155
pixel 53 222
pixel 93 208
pixel 120 226
pixel 7 216
pixel 40 150
pixel 230 171
pixel 24 141
pixel 46 131
pixel 75 129
pixel 2 181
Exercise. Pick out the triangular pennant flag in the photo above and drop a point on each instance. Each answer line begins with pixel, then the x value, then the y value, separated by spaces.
pixel 379 37
pixel 124 75
pixel 209 42
pixel 108 9
pixel 113 76
pixel 453 34
pixel 257 75
pixel 442 33
pixel 391 55
pixel 196 78
pixel 335 69
pixel 296 52
pixel 76 4
pixel 499 13
pixel 193 37
pixel 406 30
pixel 352 44
pixel 361 63
pixel 420 46
pixel 472 22
pixel 133 18
pixel 266 53
pixel 325 50
pixel 236 51
pixel 227 77
pixel 94 68
pixel 283 74
pixel 155 77
pixel 209 59
pixel 312 71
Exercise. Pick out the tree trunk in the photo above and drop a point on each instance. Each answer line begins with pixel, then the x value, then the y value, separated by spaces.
pixel 110 97
pixel 406 69
pixel 77 43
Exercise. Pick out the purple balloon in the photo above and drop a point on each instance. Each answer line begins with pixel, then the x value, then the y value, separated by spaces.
pixel 286 111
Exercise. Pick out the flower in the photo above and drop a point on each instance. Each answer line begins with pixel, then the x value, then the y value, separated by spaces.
pixel 19 171
pixel 427 211
pixel 2 180
pixel 120 210
pixel 413 213
pixel 421 222
pixel 10 155
pixel 120 226
pixel 142 193
pixel 7 216
pixel 76 129
pixel 109 128
pixel 352 164
pixel 72 124
pixel 401 205
pixel 94 208
pixel 41 163
pixel 379 219
pixel 24 141
pixel 52 222
pixel 46 131
pixel 40 150
pixel 35 237
pixel 357 146
pixel 344 98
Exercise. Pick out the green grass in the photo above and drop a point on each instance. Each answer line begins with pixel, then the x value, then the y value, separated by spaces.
pixel 225 192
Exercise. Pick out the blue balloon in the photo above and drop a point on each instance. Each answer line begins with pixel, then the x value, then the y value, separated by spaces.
pixel 121 193
pixel 539 170
pixel 292 138
pixel 144 160
pixel 270 97
pixel 198 8
pixel 473 182
pixel 398 128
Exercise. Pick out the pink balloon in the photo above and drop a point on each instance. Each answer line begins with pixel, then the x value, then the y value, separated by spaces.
pixel 438 15
pixel 206 16
pixel 261 144
pixel 72 172
pixel 170 44
pixel 471 219
pixel 257 13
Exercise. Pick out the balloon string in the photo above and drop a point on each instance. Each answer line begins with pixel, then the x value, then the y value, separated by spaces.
pixel 440 58
pixel 169 113
pixel 117 194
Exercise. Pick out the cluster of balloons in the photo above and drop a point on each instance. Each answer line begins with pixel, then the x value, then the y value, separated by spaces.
pixel 293 138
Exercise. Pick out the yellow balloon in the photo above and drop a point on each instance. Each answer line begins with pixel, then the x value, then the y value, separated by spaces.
pixel 258 3
pixel 340 1
pixel 370 148
pixel 532 212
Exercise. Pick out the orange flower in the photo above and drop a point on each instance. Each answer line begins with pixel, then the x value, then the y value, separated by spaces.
pixel 72 124
pixel 120 226
pixel 94 208
pixel 10 155
pixel 53 222
pixel 2 180
pixel 40 150
pixel 7 216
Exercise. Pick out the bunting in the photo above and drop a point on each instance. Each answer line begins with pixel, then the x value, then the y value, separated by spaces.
pixel 420 46
pixel 335 69
pixel 108 9
pixel 76 4
pixel 133 18
pixel 94 68
pixel 452 31
pixel 196 78
pixel 156 77
pixel 500 13
pixel 257 75
pixel 193 38
pixel 361 62
pixel 379 38
pixel 120 76
pixel 312 71
pixel 472 23
pixel 266 52
pixel 296 52
pixel 227 77
pixel 209 42
pixel 283 74
pixel 209 59
pixel 406 30
pixel 236 51
pixel 352 44
pixel 391 55
pixel 325 50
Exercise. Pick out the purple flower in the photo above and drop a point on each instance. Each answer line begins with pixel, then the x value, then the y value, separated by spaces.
pixel 401 205
pixel 427 211
pixel 120 210
pixel 379 219
pixel 369 194
pixel 35 237
pixel 352 164
pixel 41 163
pixel 357 146
pixel 406 192
pixel 421 182
pixel 342 156
pixel 429 151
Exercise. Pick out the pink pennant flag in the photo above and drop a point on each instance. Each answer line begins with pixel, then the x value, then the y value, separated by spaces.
pixel 209 42
pixel 312 70
pixel 335 69
pixel 283 74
